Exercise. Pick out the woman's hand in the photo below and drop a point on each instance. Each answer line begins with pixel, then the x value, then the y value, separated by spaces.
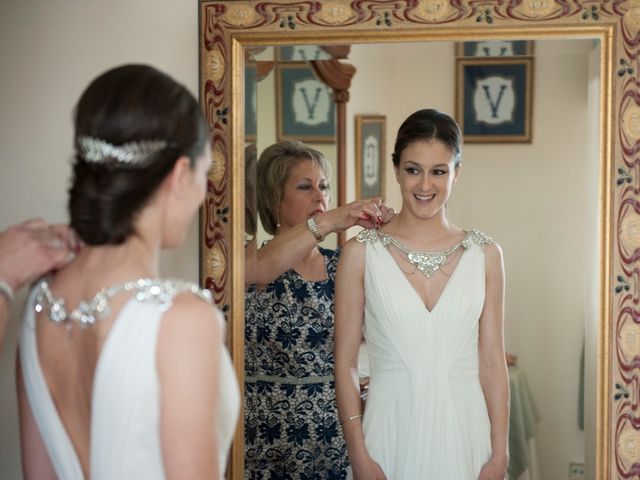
pixel 364 213
pixel 387 213
pixel 33 248
pixel 264 265
pixel 494 469
pixel 367 470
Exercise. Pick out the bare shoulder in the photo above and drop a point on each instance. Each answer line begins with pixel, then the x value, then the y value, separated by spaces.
pixel 352 252
pixel 353 246
pixel 187 303
pixel 491 248
pixel 351 264
pixel 493 252
pixel 494 264
pixel 190 323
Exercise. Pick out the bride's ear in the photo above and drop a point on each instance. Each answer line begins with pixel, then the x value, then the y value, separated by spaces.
pixel 456 172
pixel 180 177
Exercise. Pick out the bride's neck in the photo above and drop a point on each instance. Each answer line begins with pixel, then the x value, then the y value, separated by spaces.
pixel 136 257
pixel 433 227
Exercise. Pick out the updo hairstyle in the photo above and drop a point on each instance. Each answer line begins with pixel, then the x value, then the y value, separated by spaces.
pixel 426 125
pixel 131 103
pixel 274 166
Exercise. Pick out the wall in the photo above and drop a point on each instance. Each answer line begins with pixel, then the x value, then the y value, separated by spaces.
pixel 537 200
pixel 49 51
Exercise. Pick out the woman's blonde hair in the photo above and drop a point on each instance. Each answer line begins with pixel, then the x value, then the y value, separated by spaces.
pixel 274 166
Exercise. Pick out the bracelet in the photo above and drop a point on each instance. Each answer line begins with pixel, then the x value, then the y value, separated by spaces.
pixel 6 290
pixel 351 418
pixel 313 228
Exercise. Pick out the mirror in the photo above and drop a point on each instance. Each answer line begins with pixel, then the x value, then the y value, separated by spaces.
pixel 243 25
pixel 520 193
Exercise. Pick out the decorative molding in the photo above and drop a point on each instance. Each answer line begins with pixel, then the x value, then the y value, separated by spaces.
pixel 227 26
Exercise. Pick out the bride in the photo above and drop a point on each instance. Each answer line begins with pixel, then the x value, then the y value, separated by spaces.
pixel 430 298
pixel 123 374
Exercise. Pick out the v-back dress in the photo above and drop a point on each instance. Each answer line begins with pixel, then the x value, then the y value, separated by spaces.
pixel 425 416
pixel 125 404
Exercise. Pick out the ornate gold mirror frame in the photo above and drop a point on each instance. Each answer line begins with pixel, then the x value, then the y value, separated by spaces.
pixel 226 27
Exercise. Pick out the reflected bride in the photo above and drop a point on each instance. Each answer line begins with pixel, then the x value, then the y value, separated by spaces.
pixel 430 297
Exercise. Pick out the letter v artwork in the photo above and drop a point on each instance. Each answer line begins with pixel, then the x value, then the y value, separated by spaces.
pixel 305 107
pixel 493 99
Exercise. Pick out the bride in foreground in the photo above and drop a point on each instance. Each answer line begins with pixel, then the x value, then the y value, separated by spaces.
pixel 123 374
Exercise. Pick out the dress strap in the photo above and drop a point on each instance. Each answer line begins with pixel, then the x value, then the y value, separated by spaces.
pixel 369 236
pixel 146 290
pixel 477 237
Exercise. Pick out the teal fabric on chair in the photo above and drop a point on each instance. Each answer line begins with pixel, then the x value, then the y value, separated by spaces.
pixel 522 421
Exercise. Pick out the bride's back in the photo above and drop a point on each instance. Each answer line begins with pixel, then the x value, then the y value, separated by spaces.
pixel 105 342
pixel 68 356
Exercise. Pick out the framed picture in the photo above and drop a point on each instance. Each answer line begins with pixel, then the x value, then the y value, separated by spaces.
pixel 251 103
pixel 495 48
pixel 370 155
pixel 305 107
pixel 494 99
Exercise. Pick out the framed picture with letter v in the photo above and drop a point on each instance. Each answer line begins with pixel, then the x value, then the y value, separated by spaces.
pixel 304 105
pixel 494 99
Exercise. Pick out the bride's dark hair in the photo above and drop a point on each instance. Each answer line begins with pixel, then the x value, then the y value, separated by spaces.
pixel 131 103
pixel 425 125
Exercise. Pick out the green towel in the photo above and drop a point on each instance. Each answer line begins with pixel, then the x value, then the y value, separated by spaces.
pixel 522 421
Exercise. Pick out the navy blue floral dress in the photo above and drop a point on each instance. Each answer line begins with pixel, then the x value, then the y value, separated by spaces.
pixel 291 421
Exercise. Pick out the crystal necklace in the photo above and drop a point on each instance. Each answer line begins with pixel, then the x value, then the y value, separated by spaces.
pixel 426 262
pixel 87 313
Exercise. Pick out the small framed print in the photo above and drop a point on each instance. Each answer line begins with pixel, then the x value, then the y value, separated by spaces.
pixel 305 107
pixel 370 155
pixel 494 99
pixel 495 48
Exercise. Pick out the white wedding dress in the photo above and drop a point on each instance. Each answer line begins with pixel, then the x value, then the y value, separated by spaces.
pixel 425 415
pixel 125 433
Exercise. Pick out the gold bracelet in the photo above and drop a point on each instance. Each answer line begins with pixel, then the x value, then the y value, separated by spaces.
pixel 351 418
pixel 313 228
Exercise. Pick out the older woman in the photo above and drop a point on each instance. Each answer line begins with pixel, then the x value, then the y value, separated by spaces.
pixel 291 420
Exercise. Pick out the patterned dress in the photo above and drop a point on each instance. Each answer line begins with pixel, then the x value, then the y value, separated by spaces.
pixel 291 420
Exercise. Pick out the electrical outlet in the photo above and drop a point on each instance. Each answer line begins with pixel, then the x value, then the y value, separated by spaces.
pixel 576 471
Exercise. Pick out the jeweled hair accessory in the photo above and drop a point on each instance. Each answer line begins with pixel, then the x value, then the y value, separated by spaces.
pixel 97 151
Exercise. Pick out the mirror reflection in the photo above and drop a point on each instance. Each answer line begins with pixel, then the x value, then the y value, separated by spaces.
pixel 535 199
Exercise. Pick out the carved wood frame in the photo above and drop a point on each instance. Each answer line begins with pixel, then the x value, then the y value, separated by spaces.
pixel 228 26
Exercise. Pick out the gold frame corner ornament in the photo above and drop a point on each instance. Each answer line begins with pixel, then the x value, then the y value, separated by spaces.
pixel 228 26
